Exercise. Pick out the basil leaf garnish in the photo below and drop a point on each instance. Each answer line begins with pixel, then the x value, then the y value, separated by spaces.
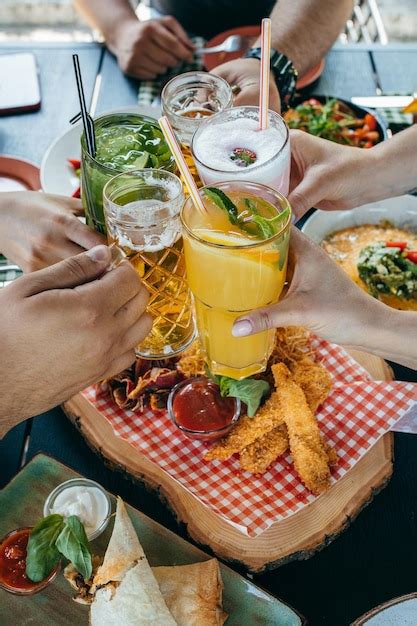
pixel 42 553
pixel 223 202
pixel 249 390
pixel 72 542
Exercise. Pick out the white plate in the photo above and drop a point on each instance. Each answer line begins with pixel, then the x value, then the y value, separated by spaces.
pixel 400 211
pixel 57 175
pixel 398 612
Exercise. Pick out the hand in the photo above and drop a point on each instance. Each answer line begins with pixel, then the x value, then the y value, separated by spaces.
pixel 327 175
pixel 321 297
pixel 39 229
pixel 245 73
pixel 64 328
pixel 146 49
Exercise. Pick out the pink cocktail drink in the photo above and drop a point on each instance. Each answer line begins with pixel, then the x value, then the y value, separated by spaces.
pixel 230 146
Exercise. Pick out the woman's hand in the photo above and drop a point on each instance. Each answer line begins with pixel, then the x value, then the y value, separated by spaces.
pixel 327 175
pixel 320 296
pixel 39 229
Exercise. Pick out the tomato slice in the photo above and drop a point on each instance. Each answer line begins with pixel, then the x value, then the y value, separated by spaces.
pixel 77 193
pixel 76 163
pixel 412 256
pixel 397 244
pixel 371 121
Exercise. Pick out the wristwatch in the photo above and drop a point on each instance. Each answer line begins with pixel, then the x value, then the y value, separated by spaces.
pixel 284 72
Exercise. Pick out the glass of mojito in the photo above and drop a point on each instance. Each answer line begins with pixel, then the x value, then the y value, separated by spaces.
pixel 124 141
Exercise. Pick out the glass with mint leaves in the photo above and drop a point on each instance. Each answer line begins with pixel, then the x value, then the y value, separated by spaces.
pixel 124 142
pixel 236 259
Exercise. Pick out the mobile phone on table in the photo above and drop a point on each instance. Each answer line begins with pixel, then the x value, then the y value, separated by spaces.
pixel 19 83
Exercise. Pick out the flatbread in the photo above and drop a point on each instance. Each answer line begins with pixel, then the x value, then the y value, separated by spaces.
pixel 193 593
pixel 126 591
pixel 123 551
pixel 136 601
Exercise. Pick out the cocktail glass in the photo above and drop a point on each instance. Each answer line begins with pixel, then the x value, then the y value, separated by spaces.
pixel 125 141
pixel 230 146
pixel 142 211
pixel 190 98
pixel 230 275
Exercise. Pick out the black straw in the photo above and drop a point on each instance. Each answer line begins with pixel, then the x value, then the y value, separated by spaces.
pixel 88 123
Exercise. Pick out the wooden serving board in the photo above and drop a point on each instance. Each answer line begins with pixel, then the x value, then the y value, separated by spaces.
pixel 296 537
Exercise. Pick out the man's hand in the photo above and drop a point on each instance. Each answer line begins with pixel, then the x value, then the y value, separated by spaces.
pixel 244 74
pixel 39 229
pixel 64 328
pixel 146 49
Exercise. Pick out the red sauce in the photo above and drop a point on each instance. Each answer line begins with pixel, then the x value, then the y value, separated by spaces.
pixel 199 406
pixel 13 562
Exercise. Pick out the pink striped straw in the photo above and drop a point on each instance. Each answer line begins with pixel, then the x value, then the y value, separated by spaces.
pixel 265 72
pixel 181 164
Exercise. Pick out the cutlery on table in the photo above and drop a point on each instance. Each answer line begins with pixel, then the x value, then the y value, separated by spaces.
pixel 233 43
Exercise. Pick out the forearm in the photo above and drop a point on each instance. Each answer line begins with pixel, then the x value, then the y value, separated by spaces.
pixel 388 333
pixel 395 165
pixel 107 16
pixel 305 29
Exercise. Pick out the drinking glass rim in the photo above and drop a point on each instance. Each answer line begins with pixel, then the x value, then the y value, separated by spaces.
pixel 129 173
pixel 193 73
pixel 146 118
pixel 255 167
pixel 255 244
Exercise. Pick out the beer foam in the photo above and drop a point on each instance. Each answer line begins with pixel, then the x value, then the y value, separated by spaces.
pixel 217 141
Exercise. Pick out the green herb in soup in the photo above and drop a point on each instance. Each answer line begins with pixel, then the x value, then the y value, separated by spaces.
pixel 386 269
pixel 131 146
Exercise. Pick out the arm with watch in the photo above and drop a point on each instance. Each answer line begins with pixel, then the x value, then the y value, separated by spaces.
pixel 302 32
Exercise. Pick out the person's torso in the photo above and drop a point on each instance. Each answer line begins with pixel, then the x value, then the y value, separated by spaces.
pixel 210 17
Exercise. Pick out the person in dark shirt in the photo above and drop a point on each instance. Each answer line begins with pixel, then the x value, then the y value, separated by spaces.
pixel 302 31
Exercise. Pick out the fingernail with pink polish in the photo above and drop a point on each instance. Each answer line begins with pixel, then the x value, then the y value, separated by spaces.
pixel 242 328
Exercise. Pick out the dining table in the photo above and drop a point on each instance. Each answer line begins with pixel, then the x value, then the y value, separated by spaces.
pixel 375 558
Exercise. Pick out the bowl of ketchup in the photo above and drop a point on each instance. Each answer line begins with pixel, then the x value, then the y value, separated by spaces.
pixel 198 410
pixel 13 564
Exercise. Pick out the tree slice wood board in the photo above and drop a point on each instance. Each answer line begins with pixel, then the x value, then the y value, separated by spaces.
pixel 296 537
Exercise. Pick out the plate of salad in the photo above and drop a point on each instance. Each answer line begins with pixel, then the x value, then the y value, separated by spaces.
pixel 60 166
pixel 337 120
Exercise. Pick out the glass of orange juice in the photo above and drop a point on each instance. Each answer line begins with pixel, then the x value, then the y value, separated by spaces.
pixel 236 260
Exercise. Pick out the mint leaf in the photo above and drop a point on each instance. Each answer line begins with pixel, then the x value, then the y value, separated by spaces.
pixel 42 553
pixel 249 390
pixel 223 202
pixel 72 542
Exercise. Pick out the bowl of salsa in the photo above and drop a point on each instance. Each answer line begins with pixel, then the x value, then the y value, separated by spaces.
pixel 13 577
pixel 200 412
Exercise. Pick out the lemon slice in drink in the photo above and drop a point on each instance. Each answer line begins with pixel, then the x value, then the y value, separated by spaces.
pixel 224 239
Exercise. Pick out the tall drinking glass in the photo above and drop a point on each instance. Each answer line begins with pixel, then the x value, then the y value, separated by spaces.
pixel 125 141
pixel 190 98
pixel 230 146
pixel 231 272
pixel 142 211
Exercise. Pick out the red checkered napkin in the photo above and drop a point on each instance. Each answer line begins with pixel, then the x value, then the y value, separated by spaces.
pixel 356 414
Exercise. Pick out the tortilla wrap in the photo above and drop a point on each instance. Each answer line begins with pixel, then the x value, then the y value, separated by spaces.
pixel 126 591
pixel 193 593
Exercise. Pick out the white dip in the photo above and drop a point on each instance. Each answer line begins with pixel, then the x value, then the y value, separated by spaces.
pixel 87 502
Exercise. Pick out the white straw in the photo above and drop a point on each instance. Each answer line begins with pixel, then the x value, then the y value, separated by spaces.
pixel 265 72
pixel 180 161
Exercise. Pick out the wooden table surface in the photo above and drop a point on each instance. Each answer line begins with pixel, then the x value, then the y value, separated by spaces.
pixel 376 558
